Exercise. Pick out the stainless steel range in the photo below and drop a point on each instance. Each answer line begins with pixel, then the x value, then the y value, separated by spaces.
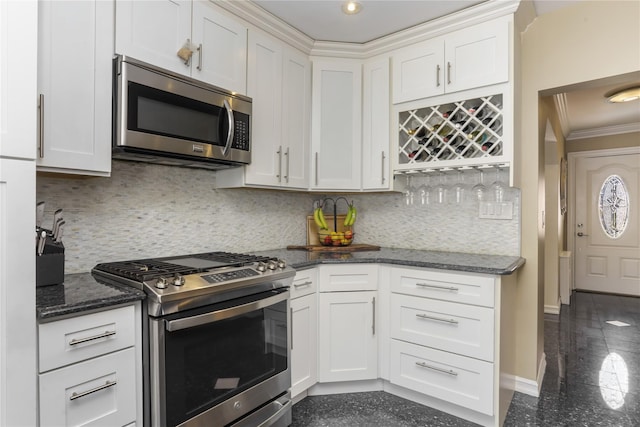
pixel 215 339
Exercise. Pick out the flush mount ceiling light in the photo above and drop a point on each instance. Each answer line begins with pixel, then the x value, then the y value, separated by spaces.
pixel 624 95
pixel 351 7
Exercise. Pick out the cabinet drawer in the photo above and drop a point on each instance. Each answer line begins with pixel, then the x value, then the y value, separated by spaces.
pixel 456 379
pixel 99 392
pixel 79 338
pixel 462 329
pixel 305 283
pixel 348 277
pixel 463 288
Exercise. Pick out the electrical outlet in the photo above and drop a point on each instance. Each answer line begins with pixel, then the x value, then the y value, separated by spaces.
pixel 496 210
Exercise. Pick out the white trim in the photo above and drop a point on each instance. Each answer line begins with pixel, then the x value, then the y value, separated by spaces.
pixel 603 131
pixel 560 100
pixel 552 309
pixel 262 19
pixel 531 387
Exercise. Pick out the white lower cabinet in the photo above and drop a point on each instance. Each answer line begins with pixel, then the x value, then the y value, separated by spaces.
pixel 90 369
pixel 304 331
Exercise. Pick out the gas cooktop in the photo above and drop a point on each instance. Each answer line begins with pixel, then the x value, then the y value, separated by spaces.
pixel 182 282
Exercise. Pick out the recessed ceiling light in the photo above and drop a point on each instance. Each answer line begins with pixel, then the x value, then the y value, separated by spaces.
pixel 351 7
pixel 624 95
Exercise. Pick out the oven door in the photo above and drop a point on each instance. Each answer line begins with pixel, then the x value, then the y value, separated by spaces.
pixel 213 365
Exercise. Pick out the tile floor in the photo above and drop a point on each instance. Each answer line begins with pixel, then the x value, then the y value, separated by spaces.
pixel 592 378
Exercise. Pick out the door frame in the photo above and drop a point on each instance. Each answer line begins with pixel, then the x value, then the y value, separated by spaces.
pixel 571 202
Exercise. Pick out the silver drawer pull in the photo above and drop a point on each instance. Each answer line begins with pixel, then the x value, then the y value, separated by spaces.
pixel 108 384
pixel 439 319
pixel 435 368
pixel 299 285
pixel 95 337
pixel 444 288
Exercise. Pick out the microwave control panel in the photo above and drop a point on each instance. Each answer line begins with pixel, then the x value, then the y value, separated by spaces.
pixel 241 132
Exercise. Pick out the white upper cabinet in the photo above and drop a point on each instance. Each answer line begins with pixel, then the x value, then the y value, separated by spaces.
pixel 154 32
pixel 279 82
pixel 465 59
pixel 18 45
pixel 336 124
pixel 75 89
pixel 375 125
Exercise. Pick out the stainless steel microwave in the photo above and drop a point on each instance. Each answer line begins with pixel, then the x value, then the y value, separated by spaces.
pixel 163 117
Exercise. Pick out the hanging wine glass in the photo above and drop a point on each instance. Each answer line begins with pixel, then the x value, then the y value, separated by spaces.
pixel 409 192
pixel 498 188
pixel 479 191
pixel 440 189
pixel 424 192
pixel 457 192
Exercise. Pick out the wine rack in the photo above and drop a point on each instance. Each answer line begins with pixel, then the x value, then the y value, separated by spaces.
pixel 469 132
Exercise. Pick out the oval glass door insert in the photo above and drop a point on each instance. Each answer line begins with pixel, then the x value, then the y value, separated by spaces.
pixel 613 205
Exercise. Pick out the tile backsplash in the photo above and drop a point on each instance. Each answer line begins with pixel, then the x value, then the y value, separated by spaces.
pixel 146 210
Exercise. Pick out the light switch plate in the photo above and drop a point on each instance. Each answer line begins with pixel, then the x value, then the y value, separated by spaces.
pixel 496 210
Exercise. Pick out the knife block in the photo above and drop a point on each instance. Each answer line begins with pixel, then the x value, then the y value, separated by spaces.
pixel 50 265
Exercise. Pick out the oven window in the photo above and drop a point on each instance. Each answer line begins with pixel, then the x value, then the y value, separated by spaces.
pixel 162 113
pixel 208 364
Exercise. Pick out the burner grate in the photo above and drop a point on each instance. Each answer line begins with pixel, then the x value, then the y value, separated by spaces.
pixel 144 270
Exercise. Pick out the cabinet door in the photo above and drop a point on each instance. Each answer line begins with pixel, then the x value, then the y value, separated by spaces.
pixel 418 71
pixel 74 80
pixel 221 55
pixel 265 87
pixel 97 392
pixel 18 65
pixel 477 56
pixel 348 339
pixel 375 125
pixel 154 31
pixel 296 118
pixel 304 344
pixel 336 124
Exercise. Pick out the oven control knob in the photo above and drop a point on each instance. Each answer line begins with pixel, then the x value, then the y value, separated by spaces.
pixel 272 265
pixel 261 267
pixel 281 263
pixel 178 280
pixel 161 283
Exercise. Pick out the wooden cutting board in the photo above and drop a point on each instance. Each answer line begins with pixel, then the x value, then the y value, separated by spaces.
pixel 354 247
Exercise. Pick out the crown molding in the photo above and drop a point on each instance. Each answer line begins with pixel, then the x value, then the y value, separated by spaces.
pixel 604 131
pixel 260 18
pixel 560 101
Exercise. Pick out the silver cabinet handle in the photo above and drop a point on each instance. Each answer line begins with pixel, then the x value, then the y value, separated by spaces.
pixel 92 338
pixel 199 67
pixel 383 159
pixel 299 285
pixel 448 72
pixel 41 123
pixel 439 319
pixel 316 168
pixel 435 368
pixel 286 154
pixel 445 288
pixel 438 75
pixel 291 326
pixel 581 234
pixel 108 384
pixel 279 174
pixel 373 323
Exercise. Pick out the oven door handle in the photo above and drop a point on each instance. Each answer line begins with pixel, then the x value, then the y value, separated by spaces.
pixel 214 316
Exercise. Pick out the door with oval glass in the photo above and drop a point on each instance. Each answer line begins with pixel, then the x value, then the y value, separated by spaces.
pixel 607 223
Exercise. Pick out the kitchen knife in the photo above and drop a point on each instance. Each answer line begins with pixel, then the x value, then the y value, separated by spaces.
pixel 57 215
pixel 54 229
pixel 58 237
pixel 39 214
pixel 41 242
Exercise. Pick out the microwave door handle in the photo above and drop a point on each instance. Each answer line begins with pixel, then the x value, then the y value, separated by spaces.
pixel 230 132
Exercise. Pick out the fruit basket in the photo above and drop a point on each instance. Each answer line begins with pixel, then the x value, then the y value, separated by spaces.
pixel 339 230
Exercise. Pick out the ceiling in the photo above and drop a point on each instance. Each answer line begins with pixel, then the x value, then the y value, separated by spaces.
pixel 584 112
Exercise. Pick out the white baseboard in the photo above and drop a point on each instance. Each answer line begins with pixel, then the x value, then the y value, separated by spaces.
pixel 552 309
pixel 530 387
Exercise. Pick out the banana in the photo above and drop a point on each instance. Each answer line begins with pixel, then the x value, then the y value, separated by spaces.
pixel 347 218
pixel 316 218
pixel 321 219
pixel 353 212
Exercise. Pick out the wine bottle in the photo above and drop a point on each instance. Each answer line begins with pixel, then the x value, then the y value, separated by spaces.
pixel 418 132
pixel 442 129
pixel 478 136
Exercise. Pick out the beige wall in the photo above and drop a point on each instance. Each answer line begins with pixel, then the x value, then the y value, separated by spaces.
pixel 610 141
pixel 576 44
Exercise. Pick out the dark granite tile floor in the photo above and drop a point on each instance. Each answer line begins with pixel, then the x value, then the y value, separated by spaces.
pixel 592 378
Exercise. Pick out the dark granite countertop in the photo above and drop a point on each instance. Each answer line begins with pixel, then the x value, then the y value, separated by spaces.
pixel 456 261
pixel 80 293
